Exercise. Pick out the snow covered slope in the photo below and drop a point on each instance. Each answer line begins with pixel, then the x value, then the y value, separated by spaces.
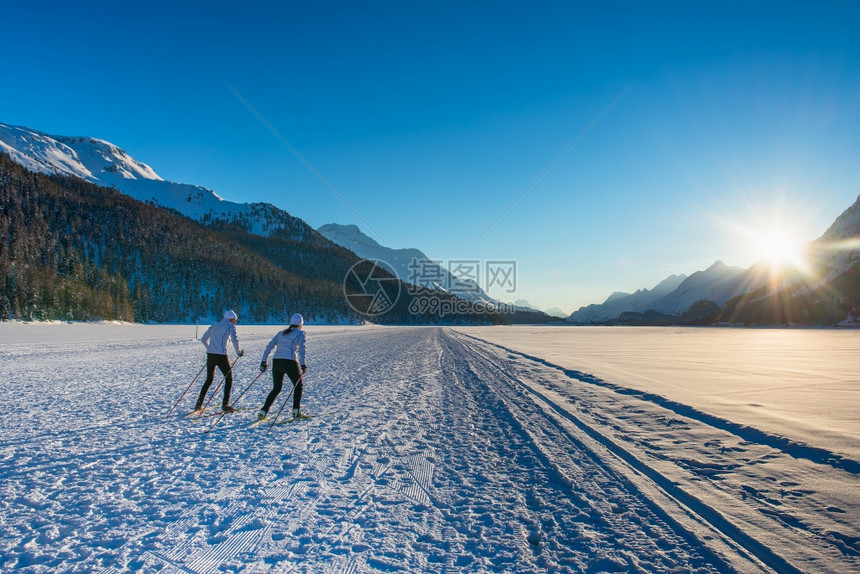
pixel 105 164
pixel 411 265
pixel 433 452
pixel 839 248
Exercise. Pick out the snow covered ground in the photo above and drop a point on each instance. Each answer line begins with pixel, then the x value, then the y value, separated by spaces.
pixel 433 451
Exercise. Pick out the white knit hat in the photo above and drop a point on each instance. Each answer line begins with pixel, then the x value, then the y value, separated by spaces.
pixel 231 315
pixel 297 320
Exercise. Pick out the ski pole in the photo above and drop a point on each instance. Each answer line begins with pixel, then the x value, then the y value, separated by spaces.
pixel 236 401
pixel 299 380
pixel 185 391
pixel 224 378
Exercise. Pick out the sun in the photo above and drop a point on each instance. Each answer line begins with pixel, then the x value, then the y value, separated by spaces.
pixel 779 248
pixel 772 235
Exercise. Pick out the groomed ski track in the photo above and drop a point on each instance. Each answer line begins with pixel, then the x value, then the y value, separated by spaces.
pixel 432 452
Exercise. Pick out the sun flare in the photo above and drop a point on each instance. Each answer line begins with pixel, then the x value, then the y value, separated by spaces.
pixel 773 235
pixel 778 248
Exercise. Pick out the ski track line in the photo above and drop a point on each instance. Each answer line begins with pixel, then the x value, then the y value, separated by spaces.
pixel 600 476
pixel 346 520
pixel 244 533
pixel 600 457
pixel 681 494
pixel 388 464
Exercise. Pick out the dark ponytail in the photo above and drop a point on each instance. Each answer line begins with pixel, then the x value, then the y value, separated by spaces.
pixel 289 329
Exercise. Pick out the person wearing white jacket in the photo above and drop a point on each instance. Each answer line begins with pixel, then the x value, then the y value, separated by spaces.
pixel 215 340
pixel 289 359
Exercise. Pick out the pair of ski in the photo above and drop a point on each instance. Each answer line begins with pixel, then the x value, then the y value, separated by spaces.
pixel 289 421
pixel 204 413
pixel 198 413
pixel 272 422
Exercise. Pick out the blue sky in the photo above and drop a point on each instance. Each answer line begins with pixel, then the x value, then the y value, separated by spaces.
pixel 430 119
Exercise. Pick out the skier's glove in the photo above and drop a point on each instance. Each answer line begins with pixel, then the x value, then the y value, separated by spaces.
pixel 241 352
pixel 263 367
pixel 304 368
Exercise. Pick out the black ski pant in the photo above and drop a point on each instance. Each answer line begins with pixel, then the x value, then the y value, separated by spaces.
pixel 223 363
pixel 281 367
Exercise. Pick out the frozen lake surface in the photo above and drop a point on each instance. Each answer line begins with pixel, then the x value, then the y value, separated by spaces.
pixel 803 384
pixel 434 450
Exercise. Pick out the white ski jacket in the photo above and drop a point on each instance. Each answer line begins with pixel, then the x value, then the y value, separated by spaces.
pixel 290 346
pixel 215 338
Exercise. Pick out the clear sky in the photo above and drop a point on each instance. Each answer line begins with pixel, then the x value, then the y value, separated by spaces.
pixel 431 118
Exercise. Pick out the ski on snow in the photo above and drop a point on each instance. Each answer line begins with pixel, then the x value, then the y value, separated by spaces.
pixel 203 413
pixel 291 420
pixel 298 419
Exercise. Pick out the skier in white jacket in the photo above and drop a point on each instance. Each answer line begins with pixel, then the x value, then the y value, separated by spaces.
pixel 215 340
pixel 289 359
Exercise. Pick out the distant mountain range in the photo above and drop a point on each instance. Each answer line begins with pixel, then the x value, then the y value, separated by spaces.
pixel 552 312
pixel 617 303
pixel 415 267
pixel 410 265
pixel 826 294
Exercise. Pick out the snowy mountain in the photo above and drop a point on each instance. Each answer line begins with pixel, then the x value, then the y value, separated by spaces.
pixel 838 249
pixel 133 246
pixel 74 250
pixel 618 303
pixel 525 305
pixel 411 265
pixel 105 164
pixel 556 312
pixel 675 294
pixel 718 283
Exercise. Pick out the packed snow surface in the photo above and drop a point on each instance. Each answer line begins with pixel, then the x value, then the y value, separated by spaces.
pixel 433 450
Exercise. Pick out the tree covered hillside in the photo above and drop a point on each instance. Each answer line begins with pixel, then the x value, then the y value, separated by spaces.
pixel 72 250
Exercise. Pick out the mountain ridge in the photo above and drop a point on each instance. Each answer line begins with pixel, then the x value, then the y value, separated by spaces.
pixel 411 265
pixel 619 302
pixel 103 163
